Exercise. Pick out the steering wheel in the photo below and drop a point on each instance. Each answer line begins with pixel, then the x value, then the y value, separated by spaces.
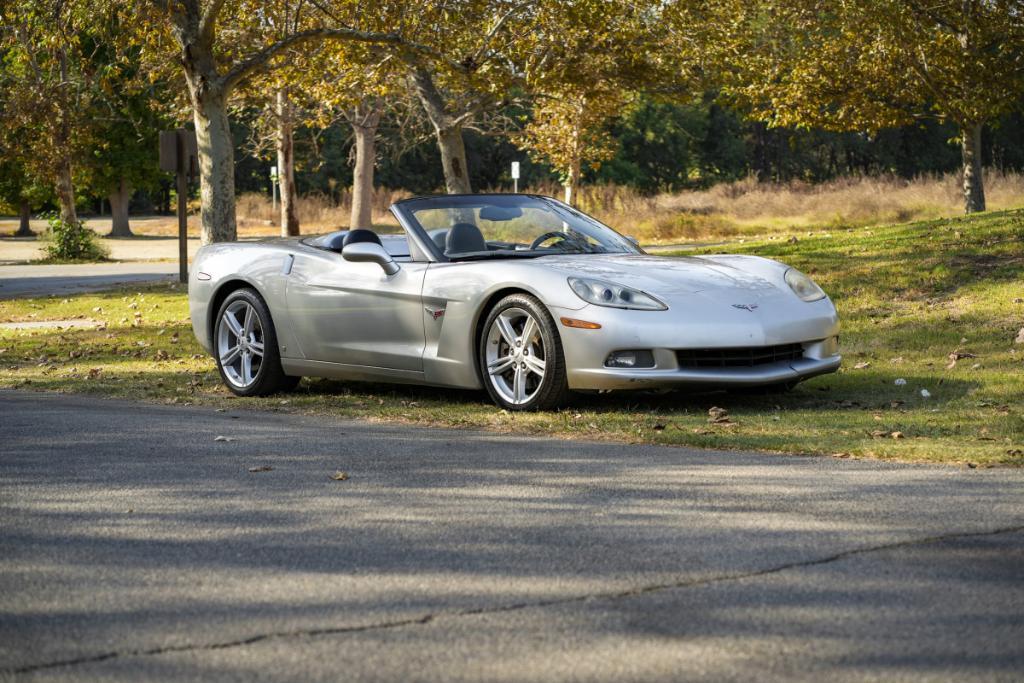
pixel 546 236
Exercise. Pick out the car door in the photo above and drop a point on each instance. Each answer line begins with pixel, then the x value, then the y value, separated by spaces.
pixel 354 313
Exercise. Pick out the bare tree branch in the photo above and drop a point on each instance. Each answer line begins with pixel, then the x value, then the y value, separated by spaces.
pixel 208 19
pixel 261 60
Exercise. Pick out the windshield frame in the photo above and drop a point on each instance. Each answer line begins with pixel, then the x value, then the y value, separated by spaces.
pixel 404 211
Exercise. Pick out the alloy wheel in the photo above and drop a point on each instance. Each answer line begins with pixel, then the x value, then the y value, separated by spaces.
pixel 515 356
pixel 240 343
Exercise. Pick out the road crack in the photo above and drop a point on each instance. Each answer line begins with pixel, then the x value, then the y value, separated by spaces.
pixel 499 609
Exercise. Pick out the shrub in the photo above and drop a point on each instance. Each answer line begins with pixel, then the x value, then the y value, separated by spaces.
pixel 71 241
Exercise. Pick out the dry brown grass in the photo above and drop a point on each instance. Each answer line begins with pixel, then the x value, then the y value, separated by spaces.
pixel 740 209
pixel 747 207
pixel 317 212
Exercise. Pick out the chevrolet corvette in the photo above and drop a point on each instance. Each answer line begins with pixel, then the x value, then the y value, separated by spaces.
pixel 521 295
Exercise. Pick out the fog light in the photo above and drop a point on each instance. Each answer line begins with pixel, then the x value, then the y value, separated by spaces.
pixel 630 359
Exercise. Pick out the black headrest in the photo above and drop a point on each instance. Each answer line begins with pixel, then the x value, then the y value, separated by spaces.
pixel 360 235
pixel 439 237
pixel 464 238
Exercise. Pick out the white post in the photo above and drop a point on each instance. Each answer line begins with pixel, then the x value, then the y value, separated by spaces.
pixel 273 188
pixel 515 177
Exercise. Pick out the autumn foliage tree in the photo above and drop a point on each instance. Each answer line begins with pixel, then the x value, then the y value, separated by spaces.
pixel 590 61
pixel 46 90
pixel 876 63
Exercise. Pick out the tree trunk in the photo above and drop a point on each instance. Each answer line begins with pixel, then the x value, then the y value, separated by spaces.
pixel 64 186
pixel 286 165
pixel 453 160
pixel 24 225
pixel 448 131
pixel 216 167
pixel 572 182
pixel 974 189
pixel 65 190
pixel 119 200
pixel 365 120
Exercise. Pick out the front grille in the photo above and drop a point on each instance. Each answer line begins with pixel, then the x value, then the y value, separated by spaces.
pixel 738 357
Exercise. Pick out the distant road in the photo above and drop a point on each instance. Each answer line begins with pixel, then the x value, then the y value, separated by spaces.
pixel 168 543
pixel 62 280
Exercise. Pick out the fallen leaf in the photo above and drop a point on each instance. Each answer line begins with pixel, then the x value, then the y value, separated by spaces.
pixel 261 468
pixel 897 435
pixel 1020 337
pixel 339 476
pixel 925 393
pixel 900 382
pixel 862 365
pixel 879 433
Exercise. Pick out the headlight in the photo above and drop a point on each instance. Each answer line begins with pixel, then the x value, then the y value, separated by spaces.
pixel 602 293
pixel 803 286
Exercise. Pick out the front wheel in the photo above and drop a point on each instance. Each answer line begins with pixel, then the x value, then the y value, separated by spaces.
pixel 245 343
pixel 520 357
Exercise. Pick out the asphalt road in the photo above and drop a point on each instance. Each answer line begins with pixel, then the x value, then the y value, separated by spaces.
pixel 134 546
pixel 62 280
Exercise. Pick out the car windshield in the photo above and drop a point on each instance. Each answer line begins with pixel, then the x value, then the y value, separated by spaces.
pixel 468 227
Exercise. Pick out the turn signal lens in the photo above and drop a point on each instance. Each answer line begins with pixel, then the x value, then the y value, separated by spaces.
pixel 581 324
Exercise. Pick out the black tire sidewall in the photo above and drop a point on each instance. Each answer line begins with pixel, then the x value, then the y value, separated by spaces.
pixel 553 391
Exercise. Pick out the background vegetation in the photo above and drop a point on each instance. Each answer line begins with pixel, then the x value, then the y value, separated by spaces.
pixel 648 104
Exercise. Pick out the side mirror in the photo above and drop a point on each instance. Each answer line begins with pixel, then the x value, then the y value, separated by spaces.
pixel 633 240
pixel 370 252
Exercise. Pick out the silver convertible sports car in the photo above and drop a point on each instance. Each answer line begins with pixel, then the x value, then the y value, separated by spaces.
pixel 519 294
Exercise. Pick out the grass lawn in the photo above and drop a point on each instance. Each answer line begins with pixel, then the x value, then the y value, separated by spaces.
pixel 912 298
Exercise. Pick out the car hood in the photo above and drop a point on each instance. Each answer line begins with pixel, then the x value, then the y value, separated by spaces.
pixel 667 276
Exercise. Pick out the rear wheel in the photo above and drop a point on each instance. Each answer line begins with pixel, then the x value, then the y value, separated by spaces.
pixel 245 346
pixel 520 357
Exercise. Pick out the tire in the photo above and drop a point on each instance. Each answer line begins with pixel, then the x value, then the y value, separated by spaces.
pixel 249 365
pixel 522 374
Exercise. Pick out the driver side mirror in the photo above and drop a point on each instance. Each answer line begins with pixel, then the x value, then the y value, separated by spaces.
pixel 370 252
pixel 634 241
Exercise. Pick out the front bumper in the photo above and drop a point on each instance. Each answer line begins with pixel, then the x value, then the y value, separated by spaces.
pixel 814 326
pixel 655 378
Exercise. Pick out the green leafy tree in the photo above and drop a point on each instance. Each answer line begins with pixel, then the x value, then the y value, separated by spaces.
pixel 127 115
pixel 215 67
pixel 872 64
pixel 46 91
pixel 19 191
pixel 593 58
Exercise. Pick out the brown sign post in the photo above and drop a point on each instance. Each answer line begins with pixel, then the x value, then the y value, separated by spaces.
pixel 179 155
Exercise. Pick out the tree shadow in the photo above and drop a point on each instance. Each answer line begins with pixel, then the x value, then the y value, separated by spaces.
pixel 160 536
